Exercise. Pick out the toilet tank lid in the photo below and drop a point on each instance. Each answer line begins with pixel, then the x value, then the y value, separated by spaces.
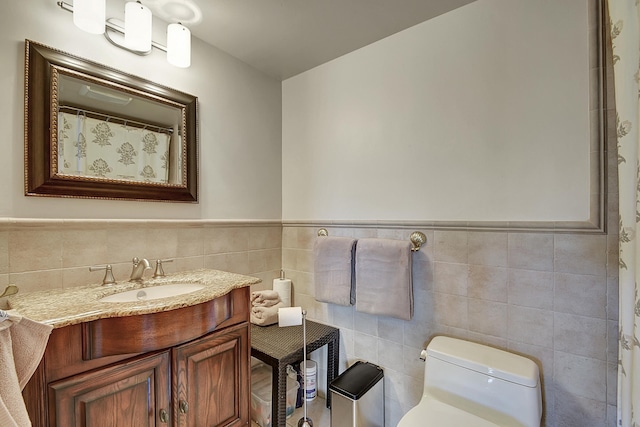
pixel 486 360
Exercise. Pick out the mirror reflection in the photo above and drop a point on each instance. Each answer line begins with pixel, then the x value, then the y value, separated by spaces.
pixel 103 133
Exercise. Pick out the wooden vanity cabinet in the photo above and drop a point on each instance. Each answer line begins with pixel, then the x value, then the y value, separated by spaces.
pixel 135 393
pixel 195 382
pixel 208 385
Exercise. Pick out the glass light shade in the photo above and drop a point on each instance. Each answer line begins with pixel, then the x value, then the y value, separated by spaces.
pixel 89 15
pixel 178 45
pixel 137 26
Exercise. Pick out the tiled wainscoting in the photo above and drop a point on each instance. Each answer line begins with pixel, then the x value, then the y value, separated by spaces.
pixel 40 254
pixel 549 296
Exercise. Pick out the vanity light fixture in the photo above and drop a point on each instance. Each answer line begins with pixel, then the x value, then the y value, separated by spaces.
pixel 134 34
pixel 137 26
pixel 179 45
pixel 89 15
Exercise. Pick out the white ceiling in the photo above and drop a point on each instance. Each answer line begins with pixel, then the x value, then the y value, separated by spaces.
pixel 286 37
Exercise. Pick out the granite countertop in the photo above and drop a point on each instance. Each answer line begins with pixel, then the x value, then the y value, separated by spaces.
pixel 64 307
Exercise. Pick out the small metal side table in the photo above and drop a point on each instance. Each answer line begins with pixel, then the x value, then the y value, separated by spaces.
pixel 279 347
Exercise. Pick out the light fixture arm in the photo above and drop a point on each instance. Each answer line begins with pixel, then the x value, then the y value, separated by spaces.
pixel 111 26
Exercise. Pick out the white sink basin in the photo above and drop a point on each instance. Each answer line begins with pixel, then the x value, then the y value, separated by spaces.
pixel 153 292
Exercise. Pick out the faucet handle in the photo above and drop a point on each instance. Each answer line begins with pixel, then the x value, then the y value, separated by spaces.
pixel 108 273
pixel 159 271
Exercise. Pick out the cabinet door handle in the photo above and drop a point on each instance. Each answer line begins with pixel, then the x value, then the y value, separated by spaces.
pixel 164 416
pixel 183 406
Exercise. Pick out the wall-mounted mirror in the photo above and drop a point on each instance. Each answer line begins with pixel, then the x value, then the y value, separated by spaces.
pixel 94 132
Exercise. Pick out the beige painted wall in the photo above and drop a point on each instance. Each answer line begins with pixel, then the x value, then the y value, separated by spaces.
pixel 240 122
pixel 480 114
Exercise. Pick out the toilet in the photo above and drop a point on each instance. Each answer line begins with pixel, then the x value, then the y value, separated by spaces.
pixel 472 385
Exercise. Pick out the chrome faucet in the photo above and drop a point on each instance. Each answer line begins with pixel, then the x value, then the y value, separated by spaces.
pixel 139 267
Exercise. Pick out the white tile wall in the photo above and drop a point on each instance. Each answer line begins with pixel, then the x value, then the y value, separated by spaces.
pixel 544 295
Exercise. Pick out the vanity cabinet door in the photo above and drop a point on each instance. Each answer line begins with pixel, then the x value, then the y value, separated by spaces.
pixel 130 394
pixel 211 379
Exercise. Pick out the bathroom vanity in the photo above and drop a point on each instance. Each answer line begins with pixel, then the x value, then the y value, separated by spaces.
pixel 177 361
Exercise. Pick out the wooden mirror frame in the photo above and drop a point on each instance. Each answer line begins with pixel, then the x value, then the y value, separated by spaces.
pixel 42 64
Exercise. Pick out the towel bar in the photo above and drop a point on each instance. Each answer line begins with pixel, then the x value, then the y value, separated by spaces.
pixel 417 238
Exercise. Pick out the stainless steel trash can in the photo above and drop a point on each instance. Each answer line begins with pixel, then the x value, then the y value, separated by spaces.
pixel 357 397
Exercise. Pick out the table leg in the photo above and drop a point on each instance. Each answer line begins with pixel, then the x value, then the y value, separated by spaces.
pixel 279 396
pixel 333 360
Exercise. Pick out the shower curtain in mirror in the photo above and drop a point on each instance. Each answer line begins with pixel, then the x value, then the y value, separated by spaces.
pixel 98 148
pixel 625 38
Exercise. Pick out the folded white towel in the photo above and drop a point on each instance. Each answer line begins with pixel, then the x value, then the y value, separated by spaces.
pixel 333 269
pixel 266 303
pixel 22 345
pixel 258 297
pixel 383 278
pixel 265 316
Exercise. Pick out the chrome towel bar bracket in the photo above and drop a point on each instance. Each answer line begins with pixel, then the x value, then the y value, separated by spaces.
pixel 418 239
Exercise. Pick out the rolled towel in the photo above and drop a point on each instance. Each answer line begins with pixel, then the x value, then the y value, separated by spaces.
pixel 261 296
pixel 266 303
pixel 264 316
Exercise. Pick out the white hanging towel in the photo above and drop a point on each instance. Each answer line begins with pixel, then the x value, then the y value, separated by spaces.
pixel 383 279
pixel 333 269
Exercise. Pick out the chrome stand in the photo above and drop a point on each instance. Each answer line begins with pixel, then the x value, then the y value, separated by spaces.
pixel 304 421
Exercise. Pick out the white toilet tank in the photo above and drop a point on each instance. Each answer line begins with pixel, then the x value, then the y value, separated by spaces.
pixel 498 386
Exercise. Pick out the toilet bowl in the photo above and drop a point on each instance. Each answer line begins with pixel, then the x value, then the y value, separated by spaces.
pixel 472 385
